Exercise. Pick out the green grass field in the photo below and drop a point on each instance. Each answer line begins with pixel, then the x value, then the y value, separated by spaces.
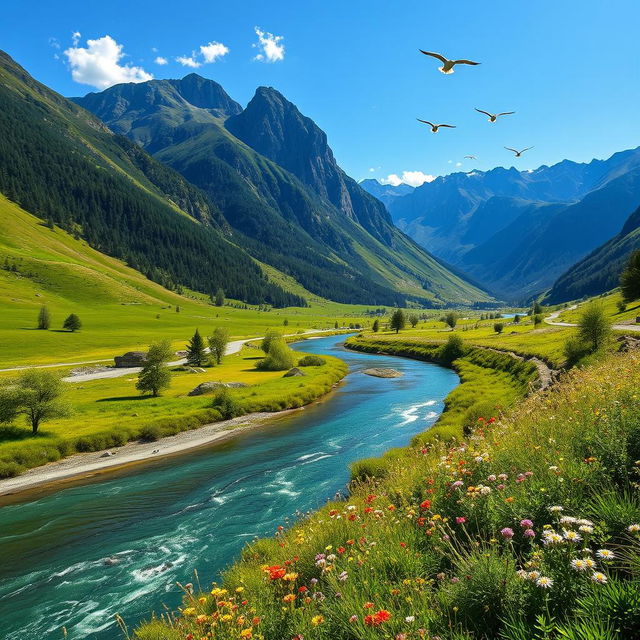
pixel 610 305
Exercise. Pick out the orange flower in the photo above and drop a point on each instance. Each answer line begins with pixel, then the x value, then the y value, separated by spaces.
pixel 367 605
pixel 425 504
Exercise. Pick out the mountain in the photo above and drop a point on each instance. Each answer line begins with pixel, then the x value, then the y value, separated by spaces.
pixel 517 231
pixel 62 164
pixel 271 173
pixel 385 192
pixel 600 270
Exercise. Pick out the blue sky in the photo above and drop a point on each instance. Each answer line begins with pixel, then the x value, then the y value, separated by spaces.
pixel 569 68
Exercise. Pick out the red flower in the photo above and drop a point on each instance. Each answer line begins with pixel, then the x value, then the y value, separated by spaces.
pixel 382 616
pixel 426 504
pixel 461 520
pixel 370 498
pixel 340 549
pixel 403 545
pixel 367 605
pixel 275 572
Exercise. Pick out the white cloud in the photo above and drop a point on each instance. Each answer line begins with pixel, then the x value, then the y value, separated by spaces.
pixel 98 64
pixel 271 49
pixel 458 164
pixel 75 38
pixel 161 61
pixel 212 51
pixel 371 170
pixel 189 61
pixel 412 178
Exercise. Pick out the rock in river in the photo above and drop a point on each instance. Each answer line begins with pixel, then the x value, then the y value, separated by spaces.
pixel 383 373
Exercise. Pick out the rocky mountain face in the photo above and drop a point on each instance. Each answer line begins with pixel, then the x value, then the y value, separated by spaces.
pixel 271 173
pixel 276 129
pixel 385 192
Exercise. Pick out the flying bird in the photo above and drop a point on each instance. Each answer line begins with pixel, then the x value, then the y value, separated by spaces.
pixel 494 116
pixel 470 158
pixel 447 65
pixel 435 127
pixel 518 153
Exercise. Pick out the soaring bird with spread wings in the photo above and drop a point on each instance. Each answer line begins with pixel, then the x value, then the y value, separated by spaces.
pixel 518 153
pixel 447 65
pixel 435 127
pixel 494 116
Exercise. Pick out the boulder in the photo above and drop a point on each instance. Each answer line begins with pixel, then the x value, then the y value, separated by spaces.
pixel 382 373
pixel 206 387
pixel 294 372
pixel 131 359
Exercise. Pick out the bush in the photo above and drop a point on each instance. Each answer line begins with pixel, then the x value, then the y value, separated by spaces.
pixel 574 351
pixel 150 433
pixel 227 404
pixel 498 327
pixel 311 361
pixel 279 358
pixel 452 349
pixel 269 337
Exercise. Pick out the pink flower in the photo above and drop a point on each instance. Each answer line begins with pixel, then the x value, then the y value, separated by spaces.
pixel 528 473
pixel 460 520
pixel 520 478
pixel 507 533
pixel 353 619
pixel 526 523
pixel 500 487
pixel 529 533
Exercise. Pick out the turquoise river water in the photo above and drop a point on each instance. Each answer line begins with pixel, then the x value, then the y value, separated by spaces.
pixel 196 511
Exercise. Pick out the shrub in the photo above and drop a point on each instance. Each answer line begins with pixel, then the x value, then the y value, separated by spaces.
pixel 269 337
pixel 498 327
pixel 227 404
pixel 574 351
pixel 311 361
pixel 279 358
pixel 150 433
pixel 452 349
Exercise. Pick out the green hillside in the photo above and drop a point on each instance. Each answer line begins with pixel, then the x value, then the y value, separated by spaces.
pixel 63 165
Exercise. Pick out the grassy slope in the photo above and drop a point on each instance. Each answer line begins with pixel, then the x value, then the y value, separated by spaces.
pixel 432 558
pixel 609 304
pixel 117 305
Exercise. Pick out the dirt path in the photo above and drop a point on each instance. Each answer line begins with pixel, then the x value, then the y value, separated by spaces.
pixel 111 372
pixel 546 375
pixel 618 327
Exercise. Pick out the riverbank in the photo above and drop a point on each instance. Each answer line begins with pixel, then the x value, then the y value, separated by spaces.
pixel 84 466
pixel 488 538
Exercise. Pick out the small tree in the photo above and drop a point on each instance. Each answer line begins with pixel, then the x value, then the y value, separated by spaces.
pixel 451 320
pixel 398 320
pixel 44 318
pixel 537 319
pixel 177 309
pixel 218 342
pixel 537 308
pixel 196 352
pixel 516 319
pixel 335 326
pixel 279 358
pixel 376 325
pixel 594 327
pixel 285 323
pixel 72 323
pixel 630 278
pixel 155 376
pixel 36 395
pixel 621 305
pixel 219 298
pixel 413 320
pixel 498 327
pixel 269 337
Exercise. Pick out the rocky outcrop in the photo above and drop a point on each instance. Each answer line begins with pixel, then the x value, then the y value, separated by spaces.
pixel 383 373
pixel 207 387
pixel 131 359
pixel 294 372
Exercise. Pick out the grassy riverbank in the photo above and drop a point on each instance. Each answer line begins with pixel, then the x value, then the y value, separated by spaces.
pixel 490 382
pixel 110 412
pixel 524 531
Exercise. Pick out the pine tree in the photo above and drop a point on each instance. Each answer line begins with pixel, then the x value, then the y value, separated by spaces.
pixel 219 298
pixel 630 278
pixel 44 318
pixel 398 320
pixel 72 323
pixel 196 354
pixel 376 325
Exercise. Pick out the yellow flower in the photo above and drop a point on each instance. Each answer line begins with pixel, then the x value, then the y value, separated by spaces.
pixel 290 576
pixel 317 620
pixel 246 633
pixel 290 597
pixel 189 611
pixel 227 617
pixel 239 589
pixel 218 592
pixel 201 619
pixel 202 600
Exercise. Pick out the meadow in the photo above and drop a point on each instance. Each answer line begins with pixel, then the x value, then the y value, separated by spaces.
pixel 519 531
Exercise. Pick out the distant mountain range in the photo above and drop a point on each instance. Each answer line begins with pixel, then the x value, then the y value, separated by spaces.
pixel 385 192
pixel 270 172
pixel 518 231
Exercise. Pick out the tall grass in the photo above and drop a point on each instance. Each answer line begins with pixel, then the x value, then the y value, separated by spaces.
pixel 528 528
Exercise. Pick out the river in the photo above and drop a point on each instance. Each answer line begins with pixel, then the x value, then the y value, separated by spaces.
pixel 195 511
